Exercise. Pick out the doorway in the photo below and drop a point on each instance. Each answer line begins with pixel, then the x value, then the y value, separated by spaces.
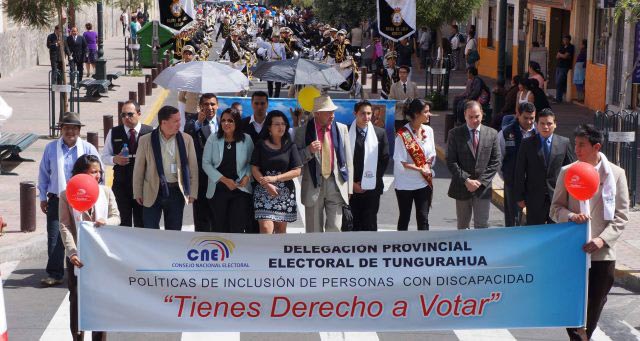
pixel 559 25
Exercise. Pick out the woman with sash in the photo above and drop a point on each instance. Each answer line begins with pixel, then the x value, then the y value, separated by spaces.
pixel 104 212
pixel 414 157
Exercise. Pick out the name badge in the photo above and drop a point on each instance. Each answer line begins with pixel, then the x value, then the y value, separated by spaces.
pixel 173 168
pixel 510 143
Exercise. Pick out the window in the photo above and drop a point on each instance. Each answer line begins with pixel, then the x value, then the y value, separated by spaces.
pixel 602 32
pixel 491 28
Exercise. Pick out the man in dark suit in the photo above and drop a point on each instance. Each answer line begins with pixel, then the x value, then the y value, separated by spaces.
pixel 76 50
pixel 370 148
pixel 510 139
pixel 538 164
pixel 473 158
pixel 54 55
pixel 252 125
pixel 200 129
pixel 128 133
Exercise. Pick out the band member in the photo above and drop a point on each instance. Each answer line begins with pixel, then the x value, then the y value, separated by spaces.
pixel 291 45
pixel 232 46
pixel 389 75
pixel 274 50
pixel 225 29
pixel 339 49
pixel 125 134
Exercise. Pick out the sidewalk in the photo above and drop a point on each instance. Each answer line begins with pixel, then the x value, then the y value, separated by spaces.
pixel 569 115
pixel 27 93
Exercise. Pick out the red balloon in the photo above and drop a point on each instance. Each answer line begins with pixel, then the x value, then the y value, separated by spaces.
pixel 582 180
pixel 82 192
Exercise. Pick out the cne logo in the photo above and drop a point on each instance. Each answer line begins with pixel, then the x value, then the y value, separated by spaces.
pixel 210 249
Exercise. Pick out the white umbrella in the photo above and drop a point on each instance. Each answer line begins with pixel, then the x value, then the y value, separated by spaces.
pixel 201 77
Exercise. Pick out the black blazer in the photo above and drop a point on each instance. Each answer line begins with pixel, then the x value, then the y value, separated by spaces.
pixel 77 48
pixel 533 181
pixel 383 158
pixel 249 129
pixel 463 164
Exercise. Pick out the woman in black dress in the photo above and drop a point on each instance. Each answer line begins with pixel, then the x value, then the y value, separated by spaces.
pixel 274 164
pixel 226 161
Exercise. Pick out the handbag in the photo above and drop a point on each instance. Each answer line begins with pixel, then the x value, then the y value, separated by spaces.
pixel 347 219
pixel 473 57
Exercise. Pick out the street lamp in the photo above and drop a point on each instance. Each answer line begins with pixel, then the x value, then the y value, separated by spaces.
pixel 101 63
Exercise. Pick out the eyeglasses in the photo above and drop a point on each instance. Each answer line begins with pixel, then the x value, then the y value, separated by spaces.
pixel 125 114
pixel 227 121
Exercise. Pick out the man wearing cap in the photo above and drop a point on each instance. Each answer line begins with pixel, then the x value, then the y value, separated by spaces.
pixel 187 101
pixel 290 44
pixel 165 174
pixel 232 46
pixel 389 74
pixel 128 133
pixel 274 51
pixel 225 29
pixel 55 170
pixel 340 48
pixel 327 178
pixel 400 91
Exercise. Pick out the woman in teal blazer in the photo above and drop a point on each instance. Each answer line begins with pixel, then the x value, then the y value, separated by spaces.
pixel 226 160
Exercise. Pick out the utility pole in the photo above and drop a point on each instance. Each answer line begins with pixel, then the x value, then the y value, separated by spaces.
pixel 499 92
pixel 101 63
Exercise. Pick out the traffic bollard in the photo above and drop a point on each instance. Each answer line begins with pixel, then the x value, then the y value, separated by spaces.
pixel 141 93
pixel 107 124
pixel 363 75
pixel 27 206
pixel 374 83
pixel 92 137
pixel 154 74
pixel 147 83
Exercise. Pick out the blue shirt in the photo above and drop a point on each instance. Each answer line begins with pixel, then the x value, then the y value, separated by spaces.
pixel 48 172
pixel 549 140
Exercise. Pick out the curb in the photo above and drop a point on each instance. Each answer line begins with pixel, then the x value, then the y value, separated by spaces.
pixel 33 247
pixel 624 276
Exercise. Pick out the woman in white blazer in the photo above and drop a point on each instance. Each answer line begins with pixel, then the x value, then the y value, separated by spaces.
pixel 226 159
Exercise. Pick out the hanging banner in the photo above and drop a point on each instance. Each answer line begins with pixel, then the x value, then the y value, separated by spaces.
pixel 169 281
pixel 382 111
pixel 396 18
pixel 172 14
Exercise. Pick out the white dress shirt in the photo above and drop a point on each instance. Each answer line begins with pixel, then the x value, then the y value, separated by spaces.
pixel 107 152
pixel 408 179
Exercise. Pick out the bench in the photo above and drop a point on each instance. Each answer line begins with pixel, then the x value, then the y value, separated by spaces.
pixel 94 86
pixel 11 145
pixel 114 75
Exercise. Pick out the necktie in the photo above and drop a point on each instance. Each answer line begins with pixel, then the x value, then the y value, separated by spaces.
pixel 362 133
pixel 404 86
pixel 546 148
pixel 475 140
pixel 132 141
pixel 326 152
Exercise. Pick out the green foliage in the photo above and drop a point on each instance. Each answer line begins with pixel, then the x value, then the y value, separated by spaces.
pixel 131 5
pixel 434 13
pixel 350 12
pixel 38 13
pixel 438 100
pixel 633 6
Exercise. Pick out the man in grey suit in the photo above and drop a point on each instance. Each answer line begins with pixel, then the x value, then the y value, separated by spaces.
pixel 200 129
pixel 473 158
pixel 538 163
pixel 327 175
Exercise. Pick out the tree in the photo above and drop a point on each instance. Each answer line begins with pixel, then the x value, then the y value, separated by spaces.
pixel 344 12
pixel 633 8
pixel 434 13
pixel 39 14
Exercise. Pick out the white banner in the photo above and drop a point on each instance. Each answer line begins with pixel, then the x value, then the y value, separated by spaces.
pixel 396 18
pixel 150 280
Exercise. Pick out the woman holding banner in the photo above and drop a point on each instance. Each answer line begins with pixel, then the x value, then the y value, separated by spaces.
pixel 226 161
pixel 414 156
pixel 275 163
pixel 104 212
